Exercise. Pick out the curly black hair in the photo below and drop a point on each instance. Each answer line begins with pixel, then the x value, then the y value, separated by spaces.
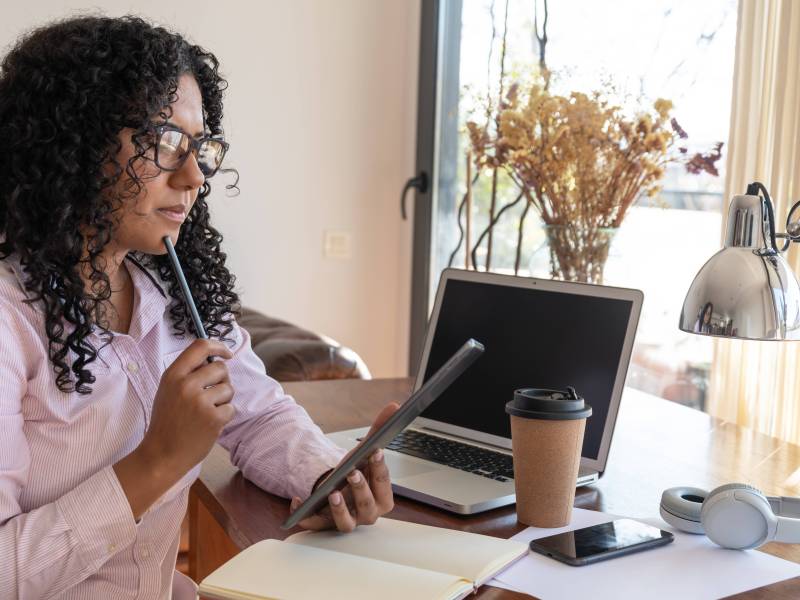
pixel 66 92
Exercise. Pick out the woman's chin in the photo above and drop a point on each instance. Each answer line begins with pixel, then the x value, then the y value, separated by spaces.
pixel 162 248
pixel 155 246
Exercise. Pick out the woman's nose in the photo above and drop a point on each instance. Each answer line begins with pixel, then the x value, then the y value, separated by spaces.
pixel 189 176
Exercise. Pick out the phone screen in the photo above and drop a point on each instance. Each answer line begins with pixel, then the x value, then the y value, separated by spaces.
pixel 600 539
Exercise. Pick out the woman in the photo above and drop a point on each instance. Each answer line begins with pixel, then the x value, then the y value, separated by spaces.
pixel 704 324
pixel 110 130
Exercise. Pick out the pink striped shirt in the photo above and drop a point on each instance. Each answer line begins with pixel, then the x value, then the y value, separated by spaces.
pixel 66 528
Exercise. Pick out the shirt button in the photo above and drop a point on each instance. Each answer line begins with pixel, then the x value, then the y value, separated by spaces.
pixel 112 547
pixel 133 367
pixel 145 553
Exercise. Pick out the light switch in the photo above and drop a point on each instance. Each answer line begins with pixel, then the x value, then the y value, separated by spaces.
pixel 337 244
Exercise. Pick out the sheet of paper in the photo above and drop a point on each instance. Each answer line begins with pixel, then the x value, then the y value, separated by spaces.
pixel 690 567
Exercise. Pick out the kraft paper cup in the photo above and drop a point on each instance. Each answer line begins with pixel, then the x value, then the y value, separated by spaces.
pixel 547 429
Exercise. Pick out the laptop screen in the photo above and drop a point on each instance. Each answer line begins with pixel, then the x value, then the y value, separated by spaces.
pixel 533 338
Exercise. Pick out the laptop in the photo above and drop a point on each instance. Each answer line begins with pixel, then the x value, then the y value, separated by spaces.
pixel 537 333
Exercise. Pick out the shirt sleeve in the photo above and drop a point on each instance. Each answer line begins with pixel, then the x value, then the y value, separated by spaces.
pixel 46 551
pixel 272 439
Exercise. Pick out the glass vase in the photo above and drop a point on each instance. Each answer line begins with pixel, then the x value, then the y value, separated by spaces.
pixel 578 253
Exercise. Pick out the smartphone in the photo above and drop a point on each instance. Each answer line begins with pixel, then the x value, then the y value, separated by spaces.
pixel 411 409
pixel 601 542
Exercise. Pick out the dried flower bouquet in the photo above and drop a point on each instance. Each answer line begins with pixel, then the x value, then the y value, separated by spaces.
pixel 581 163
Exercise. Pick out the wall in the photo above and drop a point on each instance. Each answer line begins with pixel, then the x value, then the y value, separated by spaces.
pixel 321 117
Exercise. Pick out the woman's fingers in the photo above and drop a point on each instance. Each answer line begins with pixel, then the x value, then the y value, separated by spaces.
pixel 380 482
pixel 219 394
pixel 344 521
pixel 364 502
pixel 195 355
pixel 209 375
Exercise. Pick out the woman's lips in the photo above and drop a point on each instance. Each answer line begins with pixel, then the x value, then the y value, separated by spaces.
pixel 173 215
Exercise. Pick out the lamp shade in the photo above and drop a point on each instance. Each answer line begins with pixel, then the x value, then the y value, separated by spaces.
pixel 746 290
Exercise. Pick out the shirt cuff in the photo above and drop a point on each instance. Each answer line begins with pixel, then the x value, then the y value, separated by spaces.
pixel 315 466
pixel 100 515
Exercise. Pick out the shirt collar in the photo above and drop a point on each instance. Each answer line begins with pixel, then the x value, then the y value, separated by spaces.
pixel 16 269
pixel 141 268
pixel 150 298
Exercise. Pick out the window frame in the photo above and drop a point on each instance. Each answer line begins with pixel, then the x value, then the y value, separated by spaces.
pixel 434 58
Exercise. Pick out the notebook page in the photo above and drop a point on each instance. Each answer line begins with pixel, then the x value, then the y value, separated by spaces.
pixel 272 569
pixel 469 555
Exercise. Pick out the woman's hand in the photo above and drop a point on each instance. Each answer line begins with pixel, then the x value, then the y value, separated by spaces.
pixel 190 408
pixel 366 497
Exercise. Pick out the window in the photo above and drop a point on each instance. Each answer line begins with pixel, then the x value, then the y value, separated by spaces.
pixel 675 49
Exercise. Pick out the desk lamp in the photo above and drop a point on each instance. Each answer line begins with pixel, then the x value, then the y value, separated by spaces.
pixel 747 290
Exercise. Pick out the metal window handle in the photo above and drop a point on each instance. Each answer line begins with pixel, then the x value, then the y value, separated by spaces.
pixel 420 182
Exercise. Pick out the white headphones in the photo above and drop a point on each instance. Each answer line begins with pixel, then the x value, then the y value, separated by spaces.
pixel 735 515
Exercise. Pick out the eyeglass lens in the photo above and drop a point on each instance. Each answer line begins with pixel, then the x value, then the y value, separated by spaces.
pixel 174 146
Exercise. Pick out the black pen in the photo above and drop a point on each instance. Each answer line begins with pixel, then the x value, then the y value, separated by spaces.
pixel 187 295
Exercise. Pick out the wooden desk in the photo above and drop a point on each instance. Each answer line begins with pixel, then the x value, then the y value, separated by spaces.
pixel 657 444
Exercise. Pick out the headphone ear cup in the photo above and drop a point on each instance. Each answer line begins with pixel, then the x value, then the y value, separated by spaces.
pixel 681 506
pixel 738 516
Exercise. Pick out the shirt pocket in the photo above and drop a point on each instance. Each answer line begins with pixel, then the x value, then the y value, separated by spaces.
pixel 105 363
pixel 105 360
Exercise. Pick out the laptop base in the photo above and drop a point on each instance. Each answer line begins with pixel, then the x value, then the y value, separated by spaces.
pixel 441 486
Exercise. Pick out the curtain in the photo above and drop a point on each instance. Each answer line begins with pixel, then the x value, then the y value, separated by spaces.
pixel 756 384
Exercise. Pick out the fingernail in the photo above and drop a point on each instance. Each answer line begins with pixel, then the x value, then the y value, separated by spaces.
pixel 377 456
pixel 354 477
pixel 295 502
pixel 335 498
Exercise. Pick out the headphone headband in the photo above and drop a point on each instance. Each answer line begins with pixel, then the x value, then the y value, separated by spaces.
pixel 783 506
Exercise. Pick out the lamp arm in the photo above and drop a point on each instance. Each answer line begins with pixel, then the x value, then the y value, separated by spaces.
pixel 786 243
pixel 753 189
pixel 793 227
pixel 792 233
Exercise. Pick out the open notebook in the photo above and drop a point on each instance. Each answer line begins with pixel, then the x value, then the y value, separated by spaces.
pixel 390 559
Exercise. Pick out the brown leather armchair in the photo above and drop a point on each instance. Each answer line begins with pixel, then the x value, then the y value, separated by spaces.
pixel 291 353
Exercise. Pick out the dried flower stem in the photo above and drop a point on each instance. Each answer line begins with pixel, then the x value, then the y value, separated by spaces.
pixel 469 210
pixel 494 221
pixel 520 230
pixel 461 206
pixel 493 203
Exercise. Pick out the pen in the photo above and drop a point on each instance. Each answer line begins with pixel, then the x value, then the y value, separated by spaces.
pixel 187 295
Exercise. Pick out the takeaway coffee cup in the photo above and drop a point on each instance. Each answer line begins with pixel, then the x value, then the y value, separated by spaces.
pixel 546 438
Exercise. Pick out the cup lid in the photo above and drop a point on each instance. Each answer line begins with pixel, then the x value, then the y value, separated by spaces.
pixel 540 403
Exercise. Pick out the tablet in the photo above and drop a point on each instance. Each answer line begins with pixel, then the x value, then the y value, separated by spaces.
pixel 410 410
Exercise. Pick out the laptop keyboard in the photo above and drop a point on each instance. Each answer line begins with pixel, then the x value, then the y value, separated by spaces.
pixel 494 465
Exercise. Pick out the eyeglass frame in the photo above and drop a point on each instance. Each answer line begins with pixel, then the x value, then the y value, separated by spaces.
pixel 194 147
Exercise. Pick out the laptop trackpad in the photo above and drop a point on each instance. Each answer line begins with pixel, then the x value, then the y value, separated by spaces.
pixel 401 466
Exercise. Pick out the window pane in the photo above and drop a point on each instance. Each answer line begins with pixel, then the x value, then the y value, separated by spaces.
pixel 674 49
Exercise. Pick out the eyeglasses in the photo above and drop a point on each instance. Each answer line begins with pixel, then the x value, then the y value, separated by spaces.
pixel 173 146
